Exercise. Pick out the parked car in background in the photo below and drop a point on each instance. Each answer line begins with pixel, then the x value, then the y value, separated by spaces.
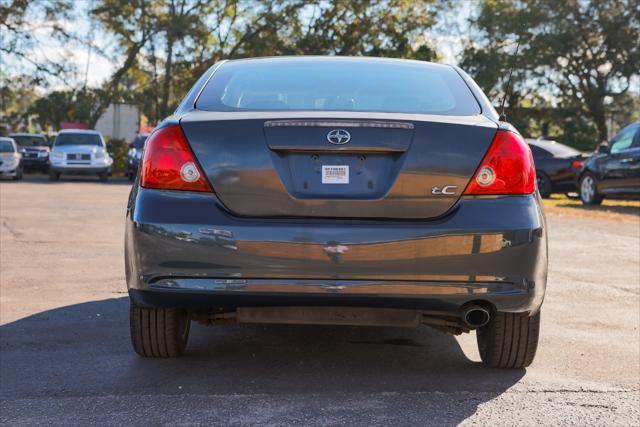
pixel 80 152
pixel 134 155
pixel 614 171
pixel 35 150
pixel 557 166
pixel 333 190
pixel 10 159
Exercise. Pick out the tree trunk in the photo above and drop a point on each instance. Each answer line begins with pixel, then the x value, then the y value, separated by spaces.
pixel 112 88
pixel 166 88
pixel 595 105
pixel 601 122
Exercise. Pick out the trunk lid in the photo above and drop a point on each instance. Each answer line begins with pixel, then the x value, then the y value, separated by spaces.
pixel 301 165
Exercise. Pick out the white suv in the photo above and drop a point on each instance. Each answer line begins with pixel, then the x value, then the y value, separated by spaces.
pixel 80 152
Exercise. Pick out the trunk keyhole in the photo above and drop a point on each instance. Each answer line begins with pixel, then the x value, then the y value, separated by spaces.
pixel 361 159
pixel 314 159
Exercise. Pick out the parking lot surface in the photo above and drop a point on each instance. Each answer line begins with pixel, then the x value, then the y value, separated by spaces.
pixel 65 356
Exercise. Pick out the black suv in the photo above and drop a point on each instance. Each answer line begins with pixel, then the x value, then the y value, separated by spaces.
pixel 614 171
pixel 35 150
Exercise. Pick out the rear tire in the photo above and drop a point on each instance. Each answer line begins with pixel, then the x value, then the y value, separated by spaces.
pixel 588 190
pixel 509 340
pixel 158 332
pixel 54 176
pixel 544 184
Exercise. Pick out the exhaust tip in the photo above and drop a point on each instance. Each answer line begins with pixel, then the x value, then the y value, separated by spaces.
pixel 475 316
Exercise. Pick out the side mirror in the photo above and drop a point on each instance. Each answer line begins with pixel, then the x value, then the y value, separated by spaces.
pixel 603 148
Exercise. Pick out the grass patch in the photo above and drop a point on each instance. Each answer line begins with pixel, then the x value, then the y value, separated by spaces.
pixel 610 208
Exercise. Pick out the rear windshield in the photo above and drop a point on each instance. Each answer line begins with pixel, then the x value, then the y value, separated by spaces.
pixel 6 146
pixel 558 150
pixel 338 85
pixel 29 140
pixel 78 139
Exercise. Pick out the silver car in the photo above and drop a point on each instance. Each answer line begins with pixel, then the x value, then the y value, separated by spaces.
pixel 10 159
pixel 80 152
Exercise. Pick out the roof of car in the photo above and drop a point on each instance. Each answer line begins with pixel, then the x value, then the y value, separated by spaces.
pixel 542 142
pixel 26 134
pixel 555 148
pixel 5 138
pixel 90 131
pixel 327 58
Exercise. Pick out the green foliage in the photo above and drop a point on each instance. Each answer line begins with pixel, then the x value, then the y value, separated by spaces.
pixel 190 35
pixel 16 96
pixel 118 149
pixel 576 56
pixel 64 106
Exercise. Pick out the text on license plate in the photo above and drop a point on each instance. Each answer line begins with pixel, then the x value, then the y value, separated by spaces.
pixel 335 174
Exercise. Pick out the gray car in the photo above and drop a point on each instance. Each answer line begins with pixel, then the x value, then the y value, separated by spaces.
pixel 332 190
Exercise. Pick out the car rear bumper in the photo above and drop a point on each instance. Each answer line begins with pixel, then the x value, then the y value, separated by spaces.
pixel 184 250
pixel 81 169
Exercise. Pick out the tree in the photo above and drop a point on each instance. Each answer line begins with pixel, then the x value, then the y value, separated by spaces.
pixel 134 23
pixel 64 106
pixel 196 34
pixel 162 46
pixel 15 100
pixel 578 55
pixel 365 27
pixel 21 21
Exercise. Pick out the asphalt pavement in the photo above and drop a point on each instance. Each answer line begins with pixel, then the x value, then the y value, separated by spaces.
pixel 65 356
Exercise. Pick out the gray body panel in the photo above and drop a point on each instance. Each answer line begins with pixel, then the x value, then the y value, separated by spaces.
pixel 268 172
pixel 490 249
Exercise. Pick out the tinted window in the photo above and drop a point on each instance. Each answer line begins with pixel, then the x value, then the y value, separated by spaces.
pixel 539 152
pixel 139 141
pixel 78 139
pixel 561 150
pixel 623 140
pixel 553 149
pixel 29 140
pixel 314 84
pixel 6 146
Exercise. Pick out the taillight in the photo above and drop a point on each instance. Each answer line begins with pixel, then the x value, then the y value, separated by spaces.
pixel 507 168
pixel 577 164
pixel 169 164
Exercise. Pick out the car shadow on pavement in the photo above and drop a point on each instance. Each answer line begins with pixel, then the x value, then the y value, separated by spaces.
pixel 84 350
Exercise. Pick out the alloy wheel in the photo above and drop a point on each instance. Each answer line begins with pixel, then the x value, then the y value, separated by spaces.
pixel 587 188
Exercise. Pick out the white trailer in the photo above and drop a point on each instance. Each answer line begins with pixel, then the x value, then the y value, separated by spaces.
pixel 119 121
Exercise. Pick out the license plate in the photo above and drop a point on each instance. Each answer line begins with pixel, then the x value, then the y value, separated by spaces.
pixel 335 174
